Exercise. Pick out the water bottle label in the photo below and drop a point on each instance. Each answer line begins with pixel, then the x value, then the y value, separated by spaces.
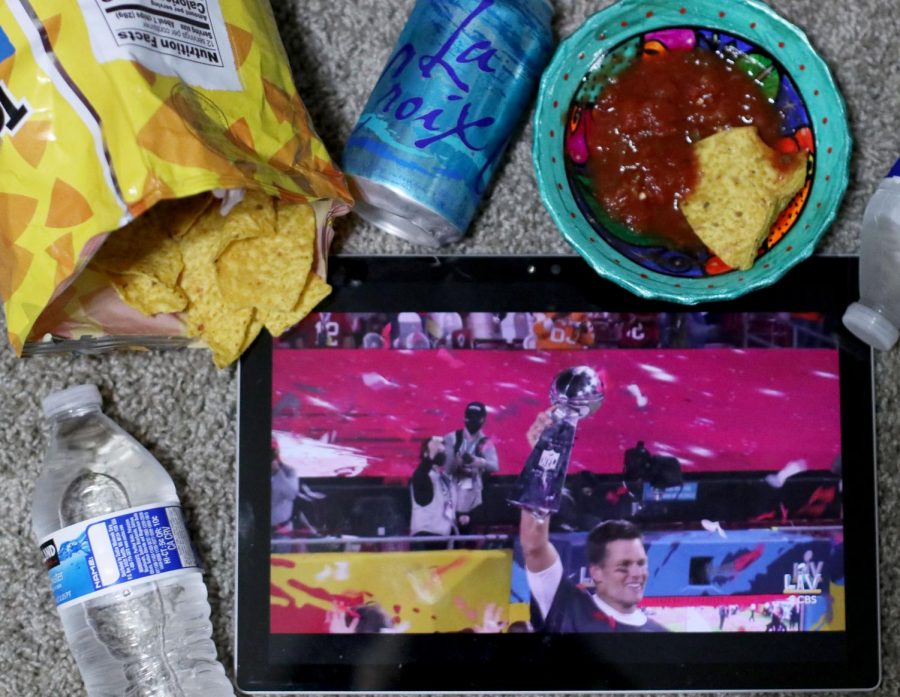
pixel 108 553
pixel 895 170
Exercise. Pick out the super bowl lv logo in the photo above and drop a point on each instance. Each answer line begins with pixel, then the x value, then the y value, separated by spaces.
pixel 13 112
pixel 806 578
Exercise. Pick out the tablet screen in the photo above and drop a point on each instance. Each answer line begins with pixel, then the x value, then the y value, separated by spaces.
pixel 505 474
pixel 703 495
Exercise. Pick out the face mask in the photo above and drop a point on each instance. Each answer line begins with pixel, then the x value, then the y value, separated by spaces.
pixel 474 424
pixel 439 459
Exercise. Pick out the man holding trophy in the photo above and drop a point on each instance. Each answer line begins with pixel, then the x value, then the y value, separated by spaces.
pixel 617 561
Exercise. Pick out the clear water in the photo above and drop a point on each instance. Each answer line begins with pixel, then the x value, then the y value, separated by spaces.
pixel 880 253
pixel 150 640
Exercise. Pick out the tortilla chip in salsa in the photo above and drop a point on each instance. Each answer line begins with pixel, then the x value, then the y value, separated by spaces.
pixel 743 185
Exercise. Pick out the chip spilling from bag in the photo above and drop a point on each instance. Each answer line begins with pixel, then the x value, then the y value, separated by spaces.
pixel 229 275
pixel 120 149
pixel 743 187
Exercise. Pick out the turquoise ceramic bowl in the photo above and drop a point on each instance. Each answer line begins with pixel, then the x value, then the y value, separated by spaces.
pixel 796 78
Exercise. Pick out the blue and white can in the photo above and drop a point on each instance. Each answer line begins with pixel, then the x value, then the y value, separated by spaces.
pixel 427 144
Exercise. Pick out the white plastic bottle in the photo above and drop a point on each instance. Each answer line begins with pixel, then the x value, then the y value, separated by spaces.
pixel 876 317
pixel 125 577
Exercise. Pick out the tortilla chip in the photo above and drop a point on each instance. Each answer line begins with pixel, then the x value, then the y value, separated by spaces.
pixel 315 291
pixel 740 193
pixel 296 219
pixel 269 272
pixel 147 294
pixel 142 247
pixel 264 272
pixel 212 233
pixel 230 275
pixel 208 316
pixel 259 207
pixel 178 216
pixel 253 330
pixel 223 328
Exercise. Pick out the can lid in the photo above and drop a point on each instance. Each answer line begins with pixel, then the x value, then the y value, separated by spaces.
pixel 871 326
pixel 71 398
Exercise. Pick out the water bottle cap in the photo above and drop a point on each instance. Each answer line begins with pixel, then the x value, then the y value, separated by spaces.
pixel 871 326
pixel 71 398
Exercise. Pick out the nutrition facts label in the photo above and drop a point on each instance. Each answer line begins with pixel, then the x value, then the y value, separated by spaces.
pixel 183 38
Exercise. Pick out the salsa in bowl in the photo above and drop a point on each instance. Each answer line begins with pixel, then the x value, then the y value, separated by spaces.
pixel 690 152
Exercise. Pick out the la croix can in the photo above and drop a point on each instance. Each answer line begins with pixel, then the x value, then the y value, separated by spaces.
pixel 460 79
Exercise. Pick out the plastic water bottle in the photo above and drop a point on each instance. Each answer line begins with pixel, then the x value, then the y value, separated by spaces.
pixel 125 578
pixel 876 317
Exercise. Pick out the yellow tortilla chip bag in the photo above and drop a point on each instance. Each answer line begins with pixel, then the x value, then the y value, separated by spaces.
pixel 107 111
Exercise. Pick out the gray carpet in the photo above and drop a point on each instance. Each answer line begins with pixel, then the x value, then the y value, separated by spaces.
pixel 183 410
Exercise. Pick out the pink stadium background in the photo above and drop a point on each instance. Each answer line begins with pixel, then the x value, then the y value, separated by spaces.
pixel 358 412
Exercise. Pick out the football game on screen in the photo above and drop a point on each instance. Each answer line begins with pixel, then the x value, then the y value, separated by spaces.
pixel 559 472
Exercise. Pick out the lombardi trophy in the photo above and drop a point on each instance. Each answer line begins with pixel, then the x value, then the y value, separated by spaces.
pixel 575 393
